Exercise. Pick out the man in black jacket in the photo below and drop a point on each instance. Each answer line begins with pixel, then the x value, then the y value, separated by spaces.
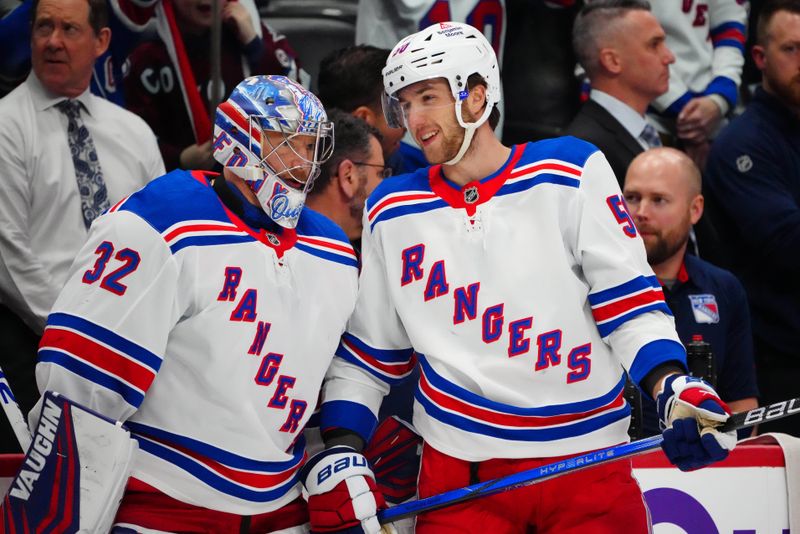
pixel 621 46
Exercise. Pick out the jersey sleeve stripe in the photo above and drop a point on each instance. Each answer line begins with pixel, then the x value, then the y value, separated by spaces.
pixel 390 366
pixel 107 360
pixel 106 337
pixel 613 307
pixel 359 418
pixel 729 34
pixel 129 394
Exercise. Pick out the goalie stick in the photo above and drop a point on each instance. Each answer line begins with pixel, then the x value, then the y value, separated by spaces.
pixel 13 413
pixel 736 421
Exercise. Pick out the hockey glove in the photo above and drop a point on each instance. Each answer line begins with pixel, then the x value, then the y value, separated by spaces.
pixel 690 411
pixel 342 495
pixel 393 452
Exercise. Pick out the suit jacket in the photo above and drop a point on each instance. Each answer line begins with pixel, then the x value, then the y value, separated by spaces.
pixel 595 124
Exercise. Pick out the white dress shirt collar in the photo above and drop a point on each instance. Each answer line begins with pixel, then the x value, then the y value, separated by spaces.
pixel 44 99
pixel 626 115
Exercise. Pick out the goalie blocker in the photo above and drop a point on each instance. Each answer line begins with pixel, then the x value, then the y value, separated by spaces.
pixel 73 474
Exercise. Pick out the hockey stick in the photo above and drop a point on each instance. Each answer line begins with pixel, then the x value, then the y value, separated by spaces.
pixel 736 421
pixel 13 413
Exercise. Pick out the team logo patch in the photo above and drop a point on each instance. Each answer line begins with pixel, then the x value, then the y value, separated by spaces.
pixel 272 238
pixel 471 195
pixel 705 308
pixel 744 163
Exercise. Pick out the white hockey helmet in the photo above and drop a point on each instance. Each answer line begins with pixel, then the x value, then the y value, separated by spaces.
pixel 449 50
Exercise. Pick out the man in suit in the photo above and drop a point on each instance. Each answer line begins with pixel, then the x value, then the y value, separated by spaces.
pixel 621 46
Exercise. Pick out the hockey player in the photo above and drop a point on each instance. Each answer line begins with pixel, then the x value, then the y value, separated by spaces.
pixel 203 312
pixel 521 283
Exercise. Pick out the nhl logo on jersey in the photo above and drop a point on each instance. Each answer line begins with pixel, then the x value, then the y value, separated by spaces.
pixel 705 308
pixel 273 239
pixel 471 195
pixel 744 163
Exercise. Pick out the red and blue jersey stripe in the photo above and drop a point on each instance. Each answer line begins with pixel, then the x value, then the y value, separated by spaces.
pixel 729 34
pixel 389 365
pixel 99 355
pixel 455 406
pixel 614 306
pixel 328 249
pixel 203 232
pixel 244 478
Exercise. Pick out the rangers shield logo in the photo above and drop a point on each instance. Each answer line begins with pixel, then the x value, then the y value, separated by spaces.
pixel 705 308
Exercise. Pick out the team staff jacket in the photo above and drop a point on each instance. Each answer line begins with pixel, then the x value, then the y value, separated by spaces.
pixel 711 302
pixel 524 297
pixel 208 336
pixel 753 173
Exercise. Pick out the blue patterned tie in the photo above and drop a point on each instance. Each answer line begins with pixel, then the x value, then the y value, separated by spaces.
pixel 650 136
pixel 94 196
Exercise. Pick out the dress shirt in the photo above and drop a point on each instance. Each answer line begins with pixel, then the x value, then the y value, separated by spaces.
pixel 41 224
pixel 626 115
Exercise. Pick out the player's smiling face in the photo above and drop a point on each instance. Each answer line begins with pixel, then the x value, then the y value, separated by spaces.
pixel 429 110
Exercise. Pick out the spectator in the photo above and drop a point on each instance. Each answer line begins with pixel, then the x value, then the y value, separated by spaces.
pixel 753 174
pixel 350 79
pixel 662 192
pixel 707 39
pixel 158 90
pixel 65 156
pixel 621 46
pixel 350 175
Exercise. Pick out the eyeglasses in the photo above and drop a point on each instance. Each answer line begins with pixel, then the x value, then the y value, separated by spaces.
pixel 385 172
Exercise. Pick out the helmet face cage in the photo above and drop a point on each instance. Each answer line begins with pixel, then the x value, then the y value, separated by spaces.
pixel 294 156
pixel 448 50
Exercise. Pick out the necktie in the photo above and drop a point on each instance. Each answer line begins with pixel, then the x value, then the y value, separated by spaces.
pixel 94 196
pixel 650 136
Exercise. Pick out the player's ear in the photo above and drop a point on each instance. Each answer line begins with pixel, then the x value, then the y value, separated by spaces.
pixel 346 178
pixel 696 208
pixel 477 99
pixel 758 56
pixel 366 114
pixel 610 60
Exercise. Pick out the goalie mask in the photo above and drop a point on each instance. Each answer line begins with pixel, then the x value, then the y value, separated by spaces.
pixel 274 134
pixel 448 50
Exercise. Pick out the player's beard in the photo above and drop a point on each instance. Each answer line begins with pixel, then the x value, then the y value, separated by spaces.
pixel 787 92
pixel 660 247
pixel 452 135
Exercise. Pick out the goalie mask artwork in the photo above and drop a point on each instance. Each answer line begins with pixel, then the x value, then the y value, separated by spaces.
pixel 274 134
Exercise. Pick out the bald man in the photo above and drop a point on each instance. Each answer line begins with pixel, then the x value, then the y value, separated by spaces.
pixel 662 192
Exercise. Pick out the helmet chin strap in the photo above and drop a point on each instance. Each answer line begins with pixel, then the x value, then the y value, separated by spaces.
pixel 469 131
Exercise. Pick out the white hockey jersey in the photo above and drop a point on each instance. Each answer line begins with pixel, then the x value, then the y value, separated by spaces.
pixel 708 40
pixel 523 296
pixel 208 337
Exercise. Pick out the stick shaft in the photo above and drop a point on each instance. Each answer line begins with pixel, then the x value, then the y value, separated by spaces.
pixel 13 413
pixel 576 463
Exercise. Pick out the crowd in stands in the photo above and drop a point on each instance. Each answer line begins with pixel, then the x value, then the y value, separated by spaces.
pixel 709 166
